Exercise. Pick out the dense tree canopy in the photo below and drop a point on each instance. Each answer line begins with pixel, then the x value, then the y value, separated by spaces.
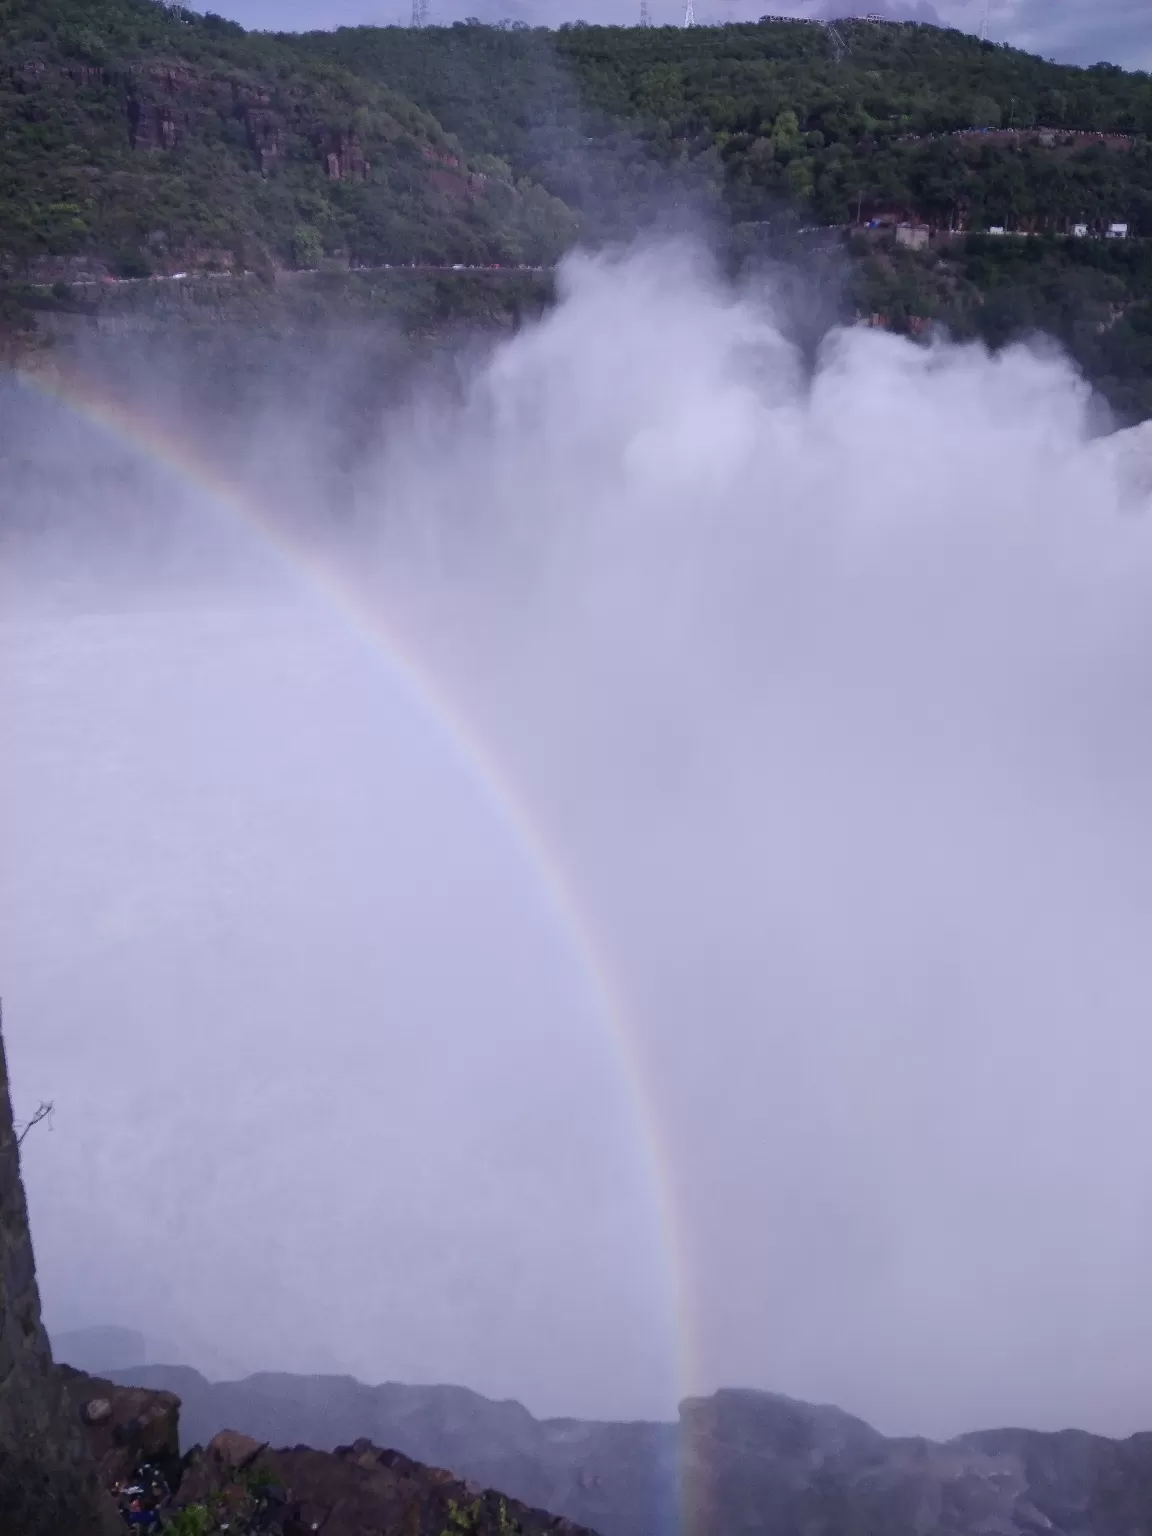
pixel 151 137
pixel 611 118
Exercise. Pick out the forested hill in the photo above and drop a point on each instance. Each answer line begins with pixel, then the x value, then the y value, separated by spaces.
pixel 131 129
pixel 875 118
pixel 141 138
pixel 154 138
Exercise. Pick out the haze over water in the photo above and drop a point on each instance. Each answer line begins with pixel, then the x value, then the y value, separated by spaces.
pixel 829 690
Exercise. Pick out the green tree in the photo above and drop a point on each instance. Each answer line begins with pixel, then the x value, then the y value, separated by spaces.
pixel 307 246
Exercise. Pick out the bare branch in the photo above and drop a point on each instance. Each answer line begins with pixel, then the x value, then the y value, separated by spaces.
pixel 43 1113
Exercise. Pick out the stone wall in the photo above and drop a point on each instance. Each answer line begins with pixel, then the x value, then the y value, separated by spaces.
pixel 48 1480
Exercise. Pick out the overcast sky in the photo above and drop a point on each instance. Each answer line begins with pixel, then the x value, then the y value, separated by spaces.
pixel 1073 31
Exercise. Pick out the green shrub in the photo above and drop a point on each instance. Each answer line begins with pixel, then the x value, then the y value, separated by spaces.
pixel 307 246
pixel 194 1520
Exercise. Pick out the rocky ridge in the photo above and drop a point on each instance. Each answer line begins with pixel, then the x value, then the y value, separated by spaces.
pixel 757 1461
pixel 746 1461
pixel 241 1484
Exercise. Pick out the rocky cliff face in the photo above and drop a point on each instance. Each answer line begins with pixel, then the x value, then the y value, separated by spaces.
pixel 48 1480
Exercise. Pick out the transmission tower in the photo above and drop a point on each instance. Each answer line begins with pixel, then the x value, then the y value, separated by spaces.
pixel 839 46
pixel 689 15
pixel 645 14
pixel 984 23
pixel 419 13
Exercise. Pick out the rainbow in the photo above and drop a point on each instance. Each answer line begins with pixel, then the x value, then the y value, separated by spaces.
pixel 307 568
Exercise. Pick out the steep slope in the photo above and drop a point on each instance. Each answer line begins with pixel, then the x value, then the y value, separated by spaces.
pixel 133 129
pixel 743 1461
pixel 147 138
pixel 48 1482
pixel 910 119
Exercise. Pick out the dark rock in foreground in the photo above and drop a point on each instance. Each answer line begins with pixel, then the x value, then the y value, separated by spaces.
pixel 125 1427
pixel 48 1481
pixel 357 1490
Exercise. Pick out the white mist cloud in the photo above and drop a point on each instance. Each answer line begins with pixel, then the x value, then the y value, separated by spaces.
pixel 330 1090
pixel 829 687
pixel 834 692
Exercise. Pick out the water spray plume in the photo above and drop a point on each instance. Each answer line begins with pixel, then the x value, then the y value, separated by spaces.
pixel 822 680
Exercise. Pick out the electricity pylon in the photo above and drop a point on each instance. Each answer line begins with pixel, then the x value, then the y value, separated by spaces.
pixel 839 46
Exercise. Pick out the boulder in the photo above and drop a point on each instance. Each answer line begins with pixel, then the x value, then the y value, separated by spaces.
pixel 125 1427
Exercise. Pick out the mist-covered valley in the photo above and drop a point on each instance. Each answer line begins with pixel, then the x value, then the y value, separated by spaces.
pixel 596 867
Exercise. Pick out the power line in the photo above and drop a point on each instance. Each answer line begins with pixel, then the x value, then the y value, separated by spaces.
pixel 839 46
